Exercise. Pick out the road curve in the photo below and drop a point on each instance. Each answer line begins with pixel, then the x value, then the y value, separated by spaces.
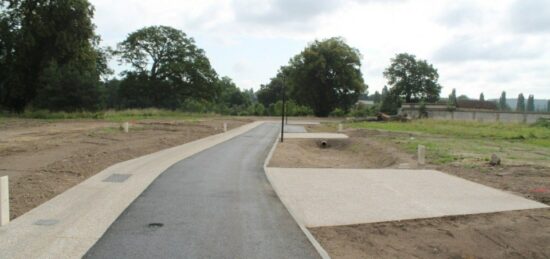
pixel 215 204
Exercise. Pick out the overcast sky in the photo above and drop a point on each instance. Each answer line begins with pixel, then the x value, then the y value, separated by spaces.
pixel 477 46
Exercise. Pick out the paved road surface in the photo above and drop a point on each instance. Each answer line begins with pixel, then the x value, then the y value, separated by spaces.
pixel 216 204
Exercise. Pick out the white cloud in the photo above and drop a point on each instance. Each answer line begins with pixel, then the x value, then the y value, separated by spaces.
pixel 476 45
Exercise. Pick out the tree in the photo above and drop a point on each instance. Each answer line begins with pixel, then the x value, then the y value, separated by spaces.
pixel 548 106
pixel 390 103
pixel 171 64
pixel 521 103
pixel 531 103
pixel 376 97
pixel 502 103
pixel 271 93
pixel 452 99
pixel 326 75
pixel 463 97
pixel 482 97
pixel 412 79
pixel 46 45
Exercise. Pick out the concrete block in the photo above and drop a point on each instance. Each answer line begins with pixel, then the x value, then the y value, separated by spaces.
pixel 4 201
pixel 421 155
pixel 340 127
pixel 225 127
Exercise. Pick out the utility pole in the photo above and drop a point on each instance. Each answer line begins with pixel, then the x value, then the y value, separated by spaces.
pixel 283 115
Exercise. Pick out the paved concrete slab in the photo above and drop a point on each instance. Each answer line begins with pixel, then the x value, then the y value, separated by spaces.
pixel 216 204
pixel 331 197
pixel 83 213
pixel 295 129
pixel 316 136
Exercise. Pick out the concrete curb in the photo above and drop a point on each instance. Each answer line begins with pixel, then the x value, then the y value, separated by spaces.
pixel 322 252
pixel 68 225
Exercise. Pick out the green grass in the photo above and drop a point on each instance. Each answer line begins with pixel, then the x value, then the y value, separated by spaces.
pixel 111 115
pixel 469 144
pixel 539 136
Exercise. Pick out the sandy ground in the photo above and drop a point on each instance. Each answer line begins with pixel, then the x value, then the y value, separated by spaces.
pixel 340 153
pixel 43 159
pixel 520 234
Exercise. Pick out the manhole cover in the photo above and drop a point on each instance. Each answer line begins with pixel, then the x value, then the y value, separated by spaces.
pixel 117 178
pixel 155 225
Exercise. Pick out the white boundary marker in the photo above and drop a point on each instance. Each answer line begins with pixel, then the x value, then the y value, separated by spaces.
pixel 4 201
pixel 322 252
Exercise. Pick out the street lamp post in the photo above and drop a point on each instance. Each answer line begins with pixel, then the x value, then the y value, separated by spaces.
pixel 283 115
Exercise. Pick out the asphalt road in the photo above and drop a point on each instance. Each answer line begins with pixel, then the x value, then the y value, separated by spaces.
pixel 216 204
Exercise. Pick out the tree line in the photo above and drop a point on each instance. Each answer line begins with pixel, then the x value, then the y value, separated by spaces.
pixel 51 59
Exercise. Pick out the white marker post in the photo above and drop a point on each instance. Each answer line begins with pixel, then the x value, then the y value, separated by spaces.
pixel 4 201
pixel 340 127
pixel 225 127
pixel 421 155
pixel 126 127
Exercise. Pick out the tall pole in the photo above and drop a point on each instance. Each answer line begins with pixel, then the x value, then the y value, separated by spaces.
pixel 283 115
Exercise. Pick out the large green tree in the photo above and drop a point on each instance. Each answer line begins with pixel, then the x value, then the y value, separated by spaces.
pixel 326 75
pixel 172 68
pixel 413 80
pixel 50 55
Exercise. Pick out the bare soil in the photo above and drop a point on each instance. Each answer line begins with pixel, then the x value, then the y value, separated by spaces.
pixel 518 234
pixel 43 159
pixel 339 153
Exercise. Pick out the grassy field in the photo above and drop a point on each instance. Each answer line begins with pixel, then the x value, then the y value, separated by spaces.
pixel 110 115
pixel 470 143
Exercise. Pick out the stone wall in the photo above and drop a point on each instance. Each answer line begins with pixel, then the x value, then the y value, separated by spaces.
pixel 476 115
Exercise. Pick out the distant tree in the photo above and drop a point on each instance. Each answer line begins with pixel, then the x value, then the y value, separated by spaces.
pixel 548 106
pixel 271 93
pixel 531 103
pixel 452 99
pixel 326 75
pixel 463 97
pixel 521 103
pixel 376 97
pixel 482 97
pixel 502 103
pixel 390 103
pixel 173 66
pixel 385 91
pixel 413 80
pixel 231 95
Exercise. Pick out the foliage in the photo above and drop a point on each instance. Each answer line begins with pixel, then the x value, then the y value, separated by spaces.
pixel 413 80
pixel 452 102
pixel 361 110
pixel 463 97
pixel 167 66
pixel 376 97
pixel 337 113
pixel 521 103
pixel 531 103
pixel 541 122
pixel 390 104
pixel 502 103
pixel 326 75
pixel 41 43
pixel 423 112
pixel 482 97
pixel 548 106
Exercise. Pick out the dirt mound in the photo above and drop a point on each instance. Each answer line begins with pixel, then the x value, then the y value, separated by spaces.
pixel 338 153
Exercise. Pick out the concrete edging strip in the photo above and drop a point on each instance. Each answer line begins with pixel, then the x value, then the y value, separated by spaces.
pixel 80 216
pixel 322 252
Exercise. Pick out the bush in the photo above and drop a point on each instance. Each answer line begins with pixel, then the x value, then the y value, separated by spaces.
pixel 338 113
pixel 362 110
pixel 541 122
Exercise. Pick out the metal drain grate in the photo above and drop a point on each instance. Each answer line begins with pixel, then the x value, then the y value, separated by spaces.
pixel 117 178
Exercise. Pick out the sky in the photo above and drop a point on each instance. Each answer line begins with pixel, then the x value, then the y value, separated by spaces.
pixel 477 46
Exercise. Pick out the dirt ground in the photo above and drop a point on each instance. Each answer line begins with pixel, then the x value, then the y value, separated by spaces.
pixel 340 153
pixel 43 158
pixel 519 234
